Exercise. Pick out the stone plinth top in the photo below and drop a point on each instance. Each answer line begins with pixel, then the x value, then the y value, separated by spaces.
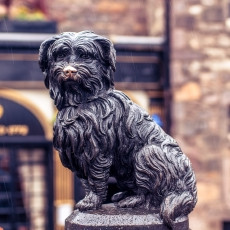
pixel 109 217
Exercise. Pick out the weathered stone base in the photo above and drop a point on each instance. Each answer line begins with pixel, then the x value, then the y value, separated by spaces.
pixel 112 218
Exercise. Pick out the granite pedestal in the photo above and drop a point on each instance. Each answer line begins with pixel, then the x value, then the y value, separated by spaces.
pixel 109 217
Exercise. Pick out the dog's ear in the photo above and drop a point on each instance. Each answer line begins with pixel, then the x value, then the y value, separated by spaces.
pixel 43 56
pixel 107 51
pixel 43 53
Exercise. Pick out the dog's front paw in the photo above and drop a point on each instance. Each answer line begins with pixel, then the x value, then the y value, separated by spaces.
pixel 91 202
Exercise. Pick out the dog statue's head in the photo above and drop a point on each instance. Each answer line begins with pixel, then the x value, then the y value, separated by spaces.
pixel 77 66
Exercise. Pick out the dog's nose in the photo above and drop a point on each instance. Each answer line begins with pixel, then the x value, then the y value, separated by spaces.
pixel 69 71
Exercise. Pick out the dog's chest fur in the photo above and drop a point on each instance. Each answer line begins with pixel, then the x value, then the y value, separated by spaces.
pixel 104 126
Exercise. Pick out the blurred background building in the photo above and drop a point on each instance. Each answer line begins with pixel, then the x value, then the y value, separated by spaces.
pixel 173 59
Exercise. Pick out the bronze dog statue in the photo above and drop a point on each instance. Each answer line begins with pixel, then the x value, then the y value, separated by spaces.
pixel 99 132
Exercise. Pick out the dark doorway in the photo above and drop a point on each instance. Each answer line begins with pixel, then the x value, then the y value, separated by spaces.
pixel 226 225
pixel 26 185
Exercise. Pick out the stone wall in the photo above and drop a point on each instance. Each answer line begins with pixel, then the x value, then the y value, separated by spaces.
pixel 200 78
pixel 103 17
pixel 120 17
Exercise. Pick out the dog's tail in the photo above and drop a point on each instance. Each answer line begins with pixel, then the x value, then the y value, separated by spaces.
pixel 183 198
pixel 177 205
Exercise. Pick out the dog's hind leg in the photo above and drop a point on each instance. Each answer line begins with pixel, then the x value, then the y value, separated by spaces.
pixel 137 197
pixel 145 178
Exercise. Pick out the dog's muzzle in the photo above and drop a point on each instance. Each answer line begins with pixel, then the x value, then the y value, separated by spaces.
pixel 70 72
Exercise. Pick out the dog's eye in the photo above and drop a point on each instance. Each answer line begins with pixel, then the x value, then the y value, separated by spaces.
pixel 61 55
pixel 84 56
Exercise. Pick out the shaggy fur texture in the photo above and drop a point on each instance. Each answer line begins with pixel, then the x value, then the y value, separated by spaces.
pixel 99 132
